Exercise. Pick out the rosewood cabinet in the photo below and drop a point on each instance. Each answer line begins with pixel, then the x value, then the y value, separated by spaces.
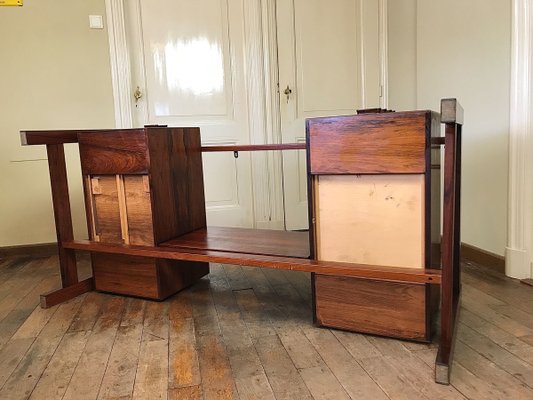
pixel 374 183
pixel 143 187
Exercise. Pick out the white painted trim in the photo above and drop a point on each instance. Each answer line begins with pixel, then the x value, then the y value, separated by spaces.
pixel 383 24
pixel 120 63
pixel 520 215
pixel 262 112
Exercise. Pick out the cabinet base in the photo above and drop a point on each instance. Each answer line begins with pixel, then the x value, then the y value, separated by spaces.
pixel 144 277
pixel 384 308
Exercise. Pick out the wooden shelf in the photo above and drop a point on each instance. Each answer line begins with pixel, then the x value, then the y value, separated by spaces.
pixel 240 240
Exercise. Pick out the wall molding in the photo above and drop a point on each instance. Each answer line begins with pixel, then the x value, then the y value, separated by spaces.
pixel 520 217
pixel 383 24
pixel 259 25
pixel 120 63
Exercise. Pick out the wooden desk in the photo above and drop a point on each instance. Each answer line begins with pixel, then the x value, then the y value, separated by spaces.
pixel 373 247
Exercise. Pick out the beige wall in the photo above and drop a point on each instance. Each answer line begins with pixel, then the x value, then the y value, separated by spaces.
pixel 54 74
pixel 463 50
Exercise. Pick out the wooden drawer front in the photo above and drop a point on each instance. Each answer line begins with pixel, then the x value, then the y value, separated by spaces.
pixel 117 152
pixel 133 276
pixel 377 307
pixel 370 219
pixel 368 144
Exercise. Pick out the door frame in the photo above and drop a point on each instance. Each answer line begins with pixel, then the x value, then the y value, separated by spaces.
pixel 264 116
pixel 519 250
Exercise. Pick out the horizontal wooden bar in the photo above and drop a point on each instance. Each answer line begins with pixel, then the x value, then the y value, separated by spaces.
pixel 255 147
pixel 451 112
pixel 30 138
pixel 413 275
pixel 55 297
pixel 437 141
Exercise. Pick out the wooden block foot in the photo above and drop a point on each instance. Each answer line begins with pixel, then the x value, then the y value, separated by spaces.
pixel 58 296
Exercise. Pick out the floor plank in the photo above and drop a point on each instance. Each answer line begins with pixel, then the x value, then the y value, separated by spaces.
pixel 247 333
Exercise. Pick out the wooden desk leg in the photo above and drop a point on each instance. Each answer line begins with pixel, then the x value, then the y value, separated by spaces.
pixel 450 287
pixel 63 220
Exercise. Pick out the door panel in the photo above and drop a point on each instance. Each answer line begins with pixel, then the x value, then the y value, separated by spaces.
pixel 189 64
pixel 319 48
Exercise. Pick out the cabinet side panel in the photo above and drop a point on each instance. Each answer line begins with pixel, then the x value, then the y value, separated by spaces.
pixel 177 275
pixel 176 181
pixel 370 219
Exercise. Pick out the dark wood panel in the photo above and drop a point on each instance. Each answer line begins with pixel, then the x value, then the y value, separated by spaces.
pixel 415 275
pixel 241 240
pixel 134 276
pixel 256 147
pixel 378 307
pixel 176 180
pixel 368 143
pixel 113 152
pixel 177 275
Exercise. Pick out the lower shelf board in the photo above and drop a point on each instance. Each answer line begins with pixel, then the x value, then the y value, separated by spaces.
pixel 414 275
pixel 241 240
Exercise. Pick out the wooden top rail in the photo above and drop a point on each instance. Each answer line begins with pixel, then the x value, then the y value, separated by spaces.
pixel 30 138
pixel 414 275
pixel 256 147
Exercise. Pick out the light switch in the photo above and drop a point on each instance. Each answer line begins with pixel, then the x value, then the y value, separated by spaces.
pixel 96 22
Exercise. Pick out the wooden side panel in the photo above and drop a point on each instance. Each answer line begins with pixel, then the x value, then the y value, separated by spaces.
pixel 434 201
pixel 176 180
pixel 139 210
pixel 370 219
pixel 368 143
pixel 177 275
pixel 377 307
pixel 106 208
pixel 128 275
pixel 113 152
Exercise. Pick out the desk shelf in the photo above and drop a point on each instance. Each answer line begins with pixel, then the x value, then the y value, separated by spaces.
pixel 248 241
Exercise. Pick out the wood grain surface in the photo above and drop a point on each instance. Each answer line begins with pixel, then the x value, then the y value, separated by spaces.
pixel 113 152
pixel 369 143
pixel 242 240
pixel 378 307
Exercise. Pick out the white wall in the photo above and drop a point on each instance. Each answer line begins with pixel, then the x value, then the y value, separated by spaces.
pixel 54 74
pixel 463 51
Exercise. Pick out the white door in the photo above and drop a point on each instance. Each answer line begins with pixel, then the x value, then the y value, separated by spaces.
pixel 323 67
pixel 187 60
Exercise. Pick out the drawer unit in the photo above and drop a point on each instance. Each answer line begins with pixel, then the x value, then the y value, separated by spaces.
pixel 375 200
pixel 143 187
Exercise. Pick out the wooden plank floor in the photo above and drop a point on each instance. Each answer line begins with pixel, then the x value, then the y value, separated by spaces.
pixel 245 333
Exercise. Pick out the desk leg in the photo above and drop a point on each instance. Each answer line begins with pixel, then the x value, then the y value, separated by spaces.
pixel 71 287
pixel 451 283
